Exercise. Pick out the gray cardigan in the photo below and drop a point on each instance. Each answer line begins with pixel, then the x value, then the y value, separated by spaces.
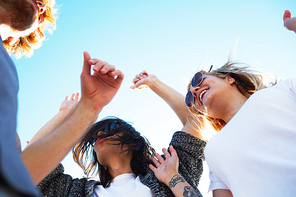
pixel 190 151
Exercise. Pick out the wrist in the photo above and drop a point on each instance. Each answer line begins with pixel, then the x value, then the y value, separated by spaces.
pixel 173 179
pixel 88 109
pixel 153 82
pixel 64 112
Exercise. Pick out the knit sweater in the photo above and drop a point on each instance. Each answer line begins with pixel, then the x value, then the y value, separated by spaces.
pixel 190 151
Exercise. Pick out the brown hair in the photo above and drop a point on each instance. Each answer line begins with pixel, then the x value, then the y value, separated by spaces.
pixel 26 45
pixel 21 13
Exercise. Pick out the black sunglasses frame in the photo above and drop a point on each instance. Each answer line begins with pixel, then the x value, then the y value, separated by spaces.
pixel 195 82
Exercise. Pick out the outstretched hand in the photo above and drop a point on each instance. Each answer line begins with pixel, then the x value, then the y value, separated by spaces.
pixel 289 22
pixel 165 168
pixel 69 104
pixel 98 89
pixel 142 80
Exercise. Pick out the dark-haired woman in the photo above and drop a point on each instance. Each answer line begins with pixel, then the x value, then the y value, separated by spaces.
pixel 120 156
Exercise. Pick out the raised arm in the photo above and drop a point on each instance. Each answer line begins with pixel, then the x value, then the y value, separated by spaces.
pixel 172 97
pixel 66 107
pixel 289 22
pixel 97 90
pixel 166 171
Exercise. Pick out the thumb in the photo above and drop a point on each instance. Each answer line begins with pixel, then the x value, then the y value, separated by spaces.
pixel 141 84
pixel 287 15
pixel 173 151
pixel 86 64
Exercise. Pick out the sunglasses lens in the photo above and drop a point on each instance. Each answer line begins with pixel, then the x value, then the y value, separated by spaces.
pixel 197 79
pixel 189 99
pixel 110 127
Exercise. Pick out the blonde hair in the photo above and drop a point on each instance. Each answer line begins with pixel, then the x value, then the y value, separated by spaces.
pixel 26 45
pixel 247 81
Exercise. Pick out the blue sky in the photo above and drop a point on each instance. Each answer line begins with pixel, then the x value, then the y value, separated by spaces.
pixel 170 39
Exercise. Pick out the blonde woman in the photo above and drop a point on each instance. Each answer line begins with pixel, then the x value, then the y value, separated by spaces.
pixel 254 152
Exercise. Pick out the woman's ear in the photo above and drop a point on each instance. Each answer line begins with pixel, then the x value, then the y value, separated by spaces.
pixel 230 80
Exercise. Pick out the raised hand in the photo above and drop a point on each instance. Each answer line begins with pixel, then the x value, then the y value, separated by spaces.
pixel 289 22
pixel 98 89
pixel 143 80
pixel 166 168
pixel 69 104
pixel 166 171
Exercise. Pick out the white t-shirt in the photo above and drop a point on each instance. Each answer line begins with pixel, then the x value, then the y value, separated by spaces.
pixel 124 185
pixel 255 153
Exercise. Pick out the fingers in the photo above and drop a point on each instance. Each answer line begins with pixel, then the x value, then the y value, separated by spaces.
pixel 138 80
pixel 140 76
pixel 173 151
pixel 156 162
pixel 77 97
pixel 166 153
pixel 159 158
pixel 287 15
pixel 72 97
pixel 102 67
pixel 152 168
pixel 86 64
pixel 105 68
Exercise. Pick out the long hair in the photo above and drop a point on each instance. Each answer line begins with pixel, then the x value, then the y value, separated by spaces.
pixel 85 156
pixel 26 45
pixel 246 80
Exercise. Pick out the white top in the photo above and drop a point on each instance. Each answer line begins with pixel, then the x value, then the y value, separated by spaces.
pixel 124 185
pixel 255 153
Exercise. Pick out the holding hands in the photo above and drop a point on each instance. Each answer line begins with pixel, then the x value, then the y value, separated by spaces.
pixel 289 22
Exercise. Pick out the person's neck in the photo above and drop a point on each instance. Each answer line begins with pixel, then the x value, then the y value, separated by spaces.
pixel 119 167
pixel 120 164
pixel 236 103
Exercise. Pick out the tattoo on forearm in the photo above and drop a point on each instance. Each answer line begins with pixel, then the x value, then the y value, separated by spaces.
pixel 189 191
pixel 175 180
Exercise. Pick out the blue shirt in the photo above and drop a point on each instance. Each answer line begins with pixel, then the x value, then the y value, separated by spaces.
pixel 12 169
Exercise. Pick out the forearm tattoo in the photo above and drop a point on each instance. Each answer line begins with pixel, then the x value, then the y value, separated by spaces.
pixel 189 191
pixel 175 180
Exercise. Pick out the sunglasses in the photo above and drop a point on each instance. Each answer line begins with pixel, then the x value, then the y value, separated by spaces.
pixel 108 127
pixel 196 81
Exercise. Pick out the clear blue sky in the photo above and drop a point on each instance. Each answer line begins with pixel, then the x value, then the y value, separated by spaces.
pixel 168 38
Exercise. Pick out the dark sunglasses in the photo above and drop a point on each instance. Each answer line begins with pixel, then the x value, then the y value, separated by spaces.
pixel 196 81
pixel 107 128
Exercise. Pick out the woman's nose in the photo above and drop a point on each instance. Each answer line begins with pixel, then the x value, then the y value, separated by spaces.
pixel 195 90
